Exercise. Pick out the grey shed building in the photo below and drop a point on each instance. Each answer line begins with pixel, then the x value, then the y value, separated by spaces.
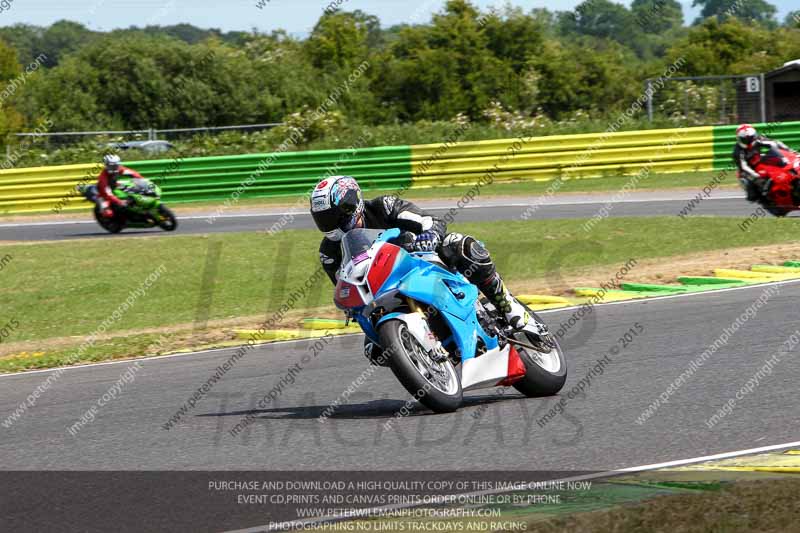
pixel 783 92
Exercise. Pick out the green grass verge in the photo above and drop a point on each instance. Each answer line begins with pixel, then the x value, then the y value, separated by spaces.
pixel 769 505
pixel 147 344
pixel 67 289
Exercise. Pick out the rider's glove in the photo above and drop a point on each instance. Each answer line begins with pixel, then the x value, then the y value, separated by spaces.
pixel 426 242
pixel 406 241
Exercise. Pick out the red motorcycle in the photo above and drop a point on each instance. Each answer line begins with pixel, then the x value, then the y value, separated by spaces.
pixel 782 170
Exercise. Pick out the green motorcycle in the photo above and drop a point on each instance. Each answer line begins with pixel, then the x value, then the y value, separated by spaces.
pixel 143 206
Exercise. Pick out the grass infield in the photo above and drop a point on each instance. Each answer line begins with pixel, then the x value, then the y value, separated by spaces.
pixel 59 293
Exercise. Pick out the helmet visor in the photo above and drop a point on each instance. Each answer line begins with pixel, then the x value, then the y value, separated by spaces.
pixel 327 220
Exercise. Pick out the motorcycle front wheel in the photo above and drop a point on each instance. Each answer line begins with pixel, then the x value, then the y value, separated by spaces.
pixel 436 385
pixel 168 221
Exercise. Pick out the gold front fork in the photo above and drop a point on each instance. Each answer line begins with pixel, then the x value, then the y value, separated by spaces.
pixel 414 306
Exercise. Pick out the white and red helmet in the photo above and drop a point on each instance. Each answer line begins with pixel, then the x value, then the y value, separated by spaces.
pixel 111 163
pixel 337 206
pixel 746 135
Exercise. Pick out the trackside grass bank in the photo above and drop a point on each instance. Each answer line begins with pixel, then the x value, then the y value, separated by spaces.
pixel 768 505
pixel 64 295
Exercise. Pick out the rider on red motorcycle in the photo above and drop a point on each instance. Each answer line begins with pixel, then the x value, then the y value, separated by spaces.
pixel 107 180
pixel 747 154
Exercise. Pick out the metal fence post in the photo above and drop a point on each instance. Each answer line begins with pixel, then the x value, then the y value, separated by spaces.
pixel 649 92
pixel 763 99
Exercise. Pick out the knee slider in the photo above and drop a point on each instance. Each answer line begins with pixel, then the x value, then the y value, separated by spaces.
pixel 473 259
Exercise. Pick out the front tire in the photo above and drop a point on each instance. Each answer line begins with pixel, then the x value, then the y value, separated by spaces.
pixel 168 221
pixel 546 370
pixel 437 386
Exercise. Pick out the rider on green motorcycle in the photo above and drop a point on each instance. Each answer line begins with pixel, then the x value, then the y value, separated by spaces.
pixel 337 207
pixel 107 182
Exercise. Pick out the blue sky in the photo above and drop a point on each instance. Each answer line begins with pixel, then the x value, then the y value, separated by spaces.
pixel 296 16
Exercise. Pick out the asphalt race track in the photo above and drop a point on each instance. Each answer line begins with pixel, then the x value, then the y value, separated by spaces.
pixel 598 430
pixel 725 203
pixel 496 430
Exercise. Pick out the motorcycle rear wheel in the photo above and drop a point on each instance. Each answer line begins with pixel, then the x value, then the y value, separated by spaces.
pixel 111 225
pixel 545 371
pixel 778 211
pixel 437 386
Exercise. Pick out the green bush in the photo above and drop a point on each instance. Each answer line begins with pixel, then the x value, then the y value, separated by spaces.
pixel 324 138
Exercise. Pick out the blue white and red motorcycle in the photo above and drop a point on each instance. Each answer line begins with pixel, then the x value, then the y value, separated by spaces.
pixel 432 328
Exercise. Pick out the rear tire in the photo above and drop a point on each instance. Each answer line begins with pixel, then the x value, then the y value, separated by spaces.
pixel 169 222
pixel 405 361
pixel 778 211
pixel 542 378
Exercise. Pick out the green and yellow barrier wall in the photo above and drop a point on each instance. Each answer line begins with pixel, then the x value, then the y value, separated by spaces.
pixel 398 168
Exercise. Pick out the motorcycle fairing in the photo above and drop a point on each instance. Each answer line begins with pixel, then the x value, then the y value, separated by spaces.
pixel 450 294
pixel 394 272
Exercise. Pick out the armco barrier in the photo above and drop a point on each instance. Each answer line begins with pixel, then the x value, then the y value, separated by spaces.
pixel 398 168
pixel 566 156
pixel 213 178
pixel 725 138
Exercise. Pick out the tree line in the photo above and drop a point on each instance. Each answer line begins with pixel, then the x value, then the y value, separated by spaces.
pixel 464 64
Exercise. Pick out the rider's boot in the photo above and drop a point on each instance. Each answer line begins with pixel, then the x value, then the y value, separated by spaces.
pixel 514 312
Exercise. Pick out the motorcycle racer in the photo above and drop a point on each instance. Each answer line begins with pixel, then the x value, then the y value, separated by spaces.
pixel 747 154
pixel 337 207
pixel 107 180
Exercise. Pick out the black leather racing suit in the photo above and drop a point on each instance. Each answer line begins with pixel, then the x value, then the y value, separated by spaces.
pixel 460 252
